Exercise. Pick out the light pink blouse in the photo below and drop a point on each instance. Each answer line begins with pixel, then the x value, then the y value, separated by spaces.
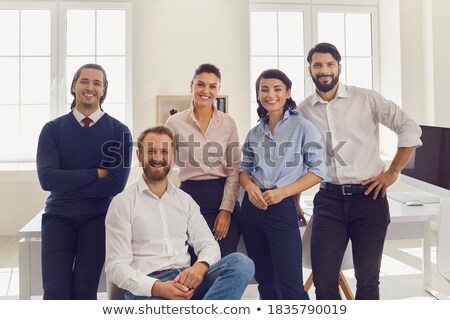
pixel 212 154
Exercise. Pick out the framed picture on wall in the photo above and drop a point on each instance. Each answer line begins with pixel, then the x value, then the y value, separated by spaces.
pixel 168 105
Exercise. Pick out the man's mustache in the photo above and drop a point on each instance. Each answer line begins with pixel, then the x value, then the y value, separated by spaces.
pixel 158 163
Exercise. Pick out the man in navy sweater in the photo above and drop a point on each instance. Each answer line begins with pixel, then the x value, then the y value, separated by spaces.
pixel 83 159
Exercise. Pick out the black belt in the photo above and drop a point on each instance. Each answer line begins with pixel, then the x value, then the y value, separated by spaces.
pixel 344 189
pixel 155 273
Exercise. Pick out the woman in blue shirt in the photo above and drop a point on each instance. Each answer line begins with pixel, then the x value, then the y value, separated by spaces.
pixel 283 156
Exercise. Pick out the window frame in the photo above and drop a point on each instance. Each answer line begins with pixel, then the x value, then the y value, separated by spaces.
pixel 67 78
pixel 370 9
pixel 58 76
pixel 307 38
pixel 311 8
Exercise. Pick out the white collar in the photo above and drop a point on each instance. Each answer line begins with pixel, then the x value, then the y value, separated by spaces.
pixel 94 116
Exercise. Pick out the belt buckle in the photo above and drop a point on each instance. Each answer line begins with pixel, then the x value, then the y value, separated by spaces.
pixel 345 193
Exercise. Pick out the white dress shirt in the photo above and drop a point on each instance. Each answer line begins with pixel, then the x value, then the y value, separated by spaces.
pixel 94 116
pixel 353 118
pixel 145 233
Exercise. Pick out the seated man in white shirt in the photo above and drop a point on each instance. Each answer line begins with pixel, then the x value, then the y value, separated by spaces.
pixel 149 227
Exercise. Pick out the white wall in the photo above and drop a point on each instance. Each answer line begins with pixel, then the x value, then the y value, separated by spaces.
pixel 170 39
pixel 440 63
pixel 425 48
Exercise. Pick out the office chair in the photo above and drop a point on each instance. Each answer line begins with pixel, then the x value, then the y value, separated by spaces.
pixel 347 262
pixel 113 292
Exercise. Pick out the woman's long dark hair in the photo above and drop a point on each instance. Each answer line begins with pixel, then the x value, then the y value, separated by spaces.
pixel 274 74
pixel 77 76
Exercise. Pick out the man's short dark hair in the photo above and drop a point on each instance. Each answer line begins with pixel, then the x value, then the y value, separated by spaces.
pixel 324 47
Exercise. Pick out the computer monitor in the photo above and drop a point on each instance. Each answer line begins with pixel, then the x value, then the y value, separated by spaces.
pixel 429 167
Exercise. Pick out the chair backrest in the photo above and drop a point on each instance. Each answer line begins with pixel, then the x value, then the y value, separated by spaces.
pixel 347 261
pixel 113 292
pixel 443 238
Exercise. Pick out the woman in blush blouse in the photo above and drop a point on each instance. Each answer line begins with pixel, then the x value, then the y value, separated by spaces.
pixel 208 154
pixel 283 156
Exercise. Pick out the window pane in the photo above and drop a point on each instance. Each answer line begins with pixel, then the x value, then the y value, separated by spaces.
pixel 331 29
pixel 35 32
pixel 9 80
pixel 290 33
pixel 359 72
pixel 111 32
pixel 72 65
pixel 115 71
pixel 258 65
pixel 9 131
pixel 359 34
pixel 295 70
pixel 263 27
pixel 115 110
pixel 9 32
pixel 80 32
pixel 35 80
pixel 32 119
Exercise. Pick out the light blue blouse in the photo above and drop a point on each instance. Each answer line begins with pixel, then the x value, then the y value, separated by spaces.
pixel 295 148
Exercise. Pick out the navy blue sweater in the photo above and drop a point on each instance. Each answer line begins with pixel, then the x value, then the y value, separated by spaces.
pixel 68 156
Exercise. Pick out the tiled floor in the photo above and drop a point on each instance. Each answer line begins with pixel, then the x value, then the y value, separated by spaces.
pixel 401 275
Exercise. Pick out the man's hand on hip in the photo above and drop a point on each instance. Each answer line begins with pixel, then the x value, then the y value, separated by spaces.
pixel 380 183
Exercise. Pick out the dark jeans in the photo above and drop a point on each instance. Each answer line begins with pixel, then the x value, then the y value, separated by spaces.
pixel 338 218
pixel 208 195
pixel 273 242
pixel 73 253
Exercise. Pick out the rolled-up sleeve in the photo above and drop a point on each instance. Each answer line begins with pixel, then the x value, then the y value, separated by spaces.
pixel 313 151
pixel 393 117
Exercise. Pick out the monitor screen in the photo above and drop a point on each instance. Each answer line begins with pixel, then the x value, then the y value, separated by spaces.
pixel 430 163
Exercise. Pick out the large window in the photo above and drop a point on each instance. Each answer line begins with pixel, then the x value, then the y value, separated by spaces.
pixel 42 46
pixel 281 36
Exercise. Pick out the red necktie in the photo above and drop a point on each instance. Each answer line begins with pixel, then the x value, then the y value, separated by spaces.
pixel 87 121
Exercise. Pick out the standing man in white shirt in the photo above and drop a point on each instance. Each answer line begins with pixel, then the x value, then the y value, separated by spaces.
pixel 351 203
pixel 149 227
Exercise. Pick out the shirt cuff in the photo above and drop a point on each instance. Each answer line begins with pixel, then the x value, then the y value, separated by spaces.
pixel 227 205
pixel 407 140
pixel 145 286
pixel 209 258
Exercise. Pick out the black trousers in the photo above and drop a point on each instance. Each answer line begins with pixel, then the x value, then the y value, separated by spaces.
pixel 73 253
pixel 338 218
pixel 208 195
pixel 272 239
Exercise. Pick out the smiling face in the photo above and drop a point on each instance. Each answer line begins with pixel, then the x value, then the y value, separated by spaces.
pixel 155 153
pixel 324 70
pixel 273 94
pixel 88 90
pixel 204 89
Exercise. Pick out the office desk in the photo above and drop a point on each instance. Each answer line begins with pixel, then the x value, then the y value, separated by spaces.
pixel 407 222
pixel 30 278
